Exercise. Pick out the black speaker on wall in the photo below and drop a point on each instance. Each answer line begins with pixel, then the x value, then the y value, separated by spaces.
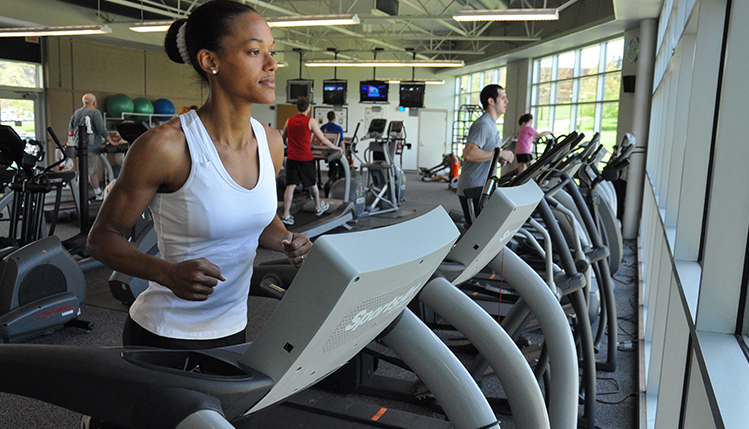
pixel 628 83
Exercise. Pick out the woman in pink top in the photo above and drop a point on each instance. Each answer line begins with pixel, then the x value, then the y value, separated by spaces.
pixel 526 136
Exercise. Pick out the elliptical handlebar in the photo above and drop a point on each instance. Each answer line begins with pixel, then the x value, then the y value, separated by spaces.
pixel 59 146
pixel 490 183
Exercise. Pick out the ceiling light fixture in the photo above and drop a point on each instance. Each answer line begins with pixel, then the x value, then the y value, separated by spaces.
pixel 151 26
pixel 384 63
pixel 507 15
pixel 71 30
pixel 313 20
pixel 424 81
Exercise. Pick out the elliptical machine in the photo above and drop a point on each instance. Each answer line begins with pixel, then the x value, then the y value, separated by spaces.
pixel 42 288
pixel 386 183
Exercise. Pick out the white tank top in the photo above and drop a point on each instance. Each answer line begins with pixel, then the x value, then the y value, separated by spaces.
pixel 213 217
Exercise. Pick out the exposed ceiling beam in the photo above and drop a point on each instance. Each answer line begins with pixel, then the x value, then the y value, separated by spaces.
pixel 437 37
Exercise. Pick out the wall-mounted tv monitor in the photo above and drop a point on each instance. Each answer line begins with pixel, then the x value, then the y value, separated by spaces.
pixel 411 94
pixel 296 88
pixel 373 91
pixel 334 92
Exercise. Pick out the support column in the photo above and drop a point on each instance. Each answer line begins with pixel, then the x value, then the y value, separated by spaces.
pixel 640 128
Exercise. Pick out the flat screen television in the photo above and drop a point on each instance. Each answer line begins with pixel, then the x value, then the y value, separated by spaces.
pixel 296 88
pixel 411 94
pixel 334 92
pixel 373 91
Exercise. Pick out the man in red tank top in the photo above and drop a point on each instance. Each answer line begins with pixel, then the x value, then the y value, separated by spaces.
pixel 300 165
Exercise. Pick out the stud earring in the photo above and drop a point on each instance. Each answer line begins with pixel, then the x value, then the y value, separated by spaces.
pixel 214 71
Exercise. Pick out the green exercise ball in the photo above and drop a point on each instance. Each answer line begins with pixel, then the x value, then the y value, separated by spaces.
pixel 118 104
pixel 142 105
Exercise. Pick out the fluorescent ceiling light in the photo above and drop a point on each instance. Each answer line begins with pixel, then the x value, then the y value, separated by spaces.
pixel 151 26
pixel 384 63
pixel 71 30
pixel 424 81
pixel 282 64
pixel 507 15
pixel 313 20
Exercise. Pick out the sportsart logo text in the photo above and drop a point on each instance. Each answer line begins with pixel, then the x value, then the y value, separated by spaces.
pixel 365 316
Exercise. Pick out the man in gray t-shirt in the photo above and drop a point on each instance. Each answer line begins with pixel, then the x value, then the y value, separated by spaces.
pixel 482 138
pixel 90 117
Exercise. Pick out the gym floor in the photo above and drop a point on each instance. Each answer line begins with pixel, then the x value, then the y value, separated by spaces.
pixel 617 392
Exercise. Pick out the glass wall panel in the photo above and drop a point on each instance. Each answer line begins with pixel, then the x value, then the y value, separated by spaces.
pixel 608 125
pixel 566 66
pixel 17 74
pixel 544 93
pixel 586 118
pixel 588 89
pixel 545 70
pixel 541 118
pixel 611 87
pixel 476 82
pixel 614 54
pixel 589 58
pixel 19 115
pixel 567 96
pixel 475 98
pixel 564 92
pixel 464 84
pixel 562 115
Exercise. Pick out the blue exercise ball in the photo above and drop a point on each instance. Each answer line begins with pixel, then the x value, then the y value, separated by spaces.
pixel 164 108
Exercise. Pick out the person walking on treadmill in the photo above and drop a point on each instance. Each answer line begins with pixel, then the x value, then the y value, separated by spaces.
pixel 90 117
pixel 482 138
pixel 300 164
pixel 332 127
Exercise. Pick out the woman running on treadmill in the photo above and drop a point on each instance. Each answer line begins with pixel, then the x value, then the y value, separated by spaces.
pixel 209 179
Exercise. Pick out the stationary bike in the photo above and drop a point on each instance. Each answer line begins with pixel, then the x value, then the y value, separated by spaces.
pixel 42 288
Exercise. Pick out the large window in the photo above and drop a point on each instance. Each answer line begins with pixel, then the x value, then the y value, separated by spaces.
pixel 467 93
pixel 20 95
pixel 579 91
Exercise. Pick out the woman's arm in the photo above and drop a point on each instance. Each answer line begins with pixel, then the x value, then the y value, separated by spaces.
pixel 158 161
pixel 541 134
pixel 275 236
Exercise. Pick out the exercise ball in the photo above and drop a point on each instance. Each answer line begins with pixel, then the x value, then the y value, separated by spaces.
pixel 163 107
pixel 118 104
pixel 142 105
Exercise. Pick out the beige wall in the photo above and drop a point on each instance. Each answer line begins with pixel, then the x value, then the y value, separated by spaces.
pixel 75 67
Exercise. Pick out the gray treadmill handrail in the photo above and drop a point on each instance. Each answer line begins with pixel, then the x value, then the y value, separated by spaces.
pixel 543 303
pixel 495 345
pixel 480 246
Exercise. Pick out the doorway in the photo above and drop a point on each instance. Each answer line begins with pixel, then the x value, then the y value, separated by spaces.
pixel 432 137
